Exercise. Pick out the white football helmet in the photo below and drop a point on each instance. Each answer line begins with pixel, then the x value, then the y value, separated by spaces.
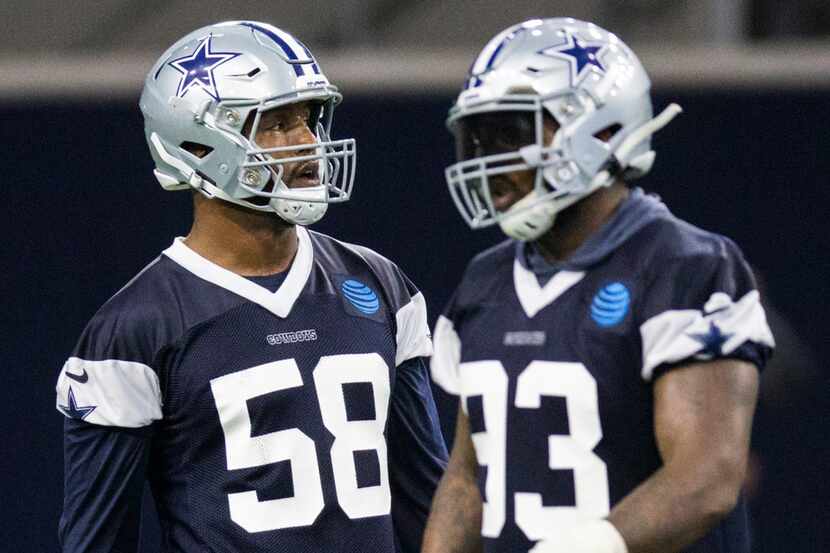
pixel 588 81
pixel 215 83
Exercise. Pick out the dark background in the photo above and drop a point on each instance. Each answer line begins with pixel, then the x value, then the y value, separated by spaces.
pixel 82 213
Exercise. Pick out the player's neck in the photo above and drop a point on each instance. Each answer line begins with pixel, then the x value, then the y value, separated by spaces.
pixel 241 240
pixel 576 224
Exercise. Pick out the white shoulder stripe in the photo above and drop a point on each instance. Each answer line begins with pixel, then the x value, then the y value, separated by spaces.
pixel 109 393
pixel 446 359
pixel 412 336
pixel 676 335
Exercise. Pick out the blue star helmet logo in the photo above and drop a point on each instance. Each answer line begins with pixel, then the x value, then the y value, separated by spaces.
pixel 197 69
pixel 712 341
pixel 579 56
pixel 73 410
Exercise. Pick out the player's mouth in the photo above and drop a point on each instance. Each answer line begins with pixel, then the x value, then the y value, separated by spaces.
pixel 305 175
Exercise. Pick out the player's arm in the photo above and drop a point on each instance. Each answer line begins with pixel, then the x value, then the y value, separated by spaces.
pixel 700 304
pixel 417 453
pixel 454 524
pixel 104 472
pixel 110 406
pixel 702 422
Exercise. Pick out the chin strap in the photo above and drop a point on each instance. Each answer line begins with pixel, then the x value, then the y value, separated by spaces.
pixel 526 221
pixel 301 211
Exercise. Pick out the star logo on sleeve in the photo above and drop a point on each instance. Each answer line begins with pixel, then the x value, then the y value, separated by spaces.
pixel 712 341
pixel 75 411
pixel 197 69
pixel 579 56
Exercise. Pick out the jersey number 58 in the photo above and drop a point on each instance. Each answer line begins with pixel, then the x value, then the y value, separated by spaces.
pixel 232 392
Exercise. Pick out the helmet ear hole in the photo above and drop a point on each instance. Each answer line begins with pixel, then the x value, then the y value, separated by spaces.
pixel 199 150
pixel 608 132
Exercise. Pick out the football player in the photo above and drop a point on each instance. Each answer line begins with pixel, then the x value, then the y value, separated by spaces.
pixel 267 380
pixel 607 355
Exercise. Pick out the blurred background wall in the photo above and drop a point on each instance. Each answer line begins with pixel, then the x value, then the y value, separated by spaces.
pixel 82 213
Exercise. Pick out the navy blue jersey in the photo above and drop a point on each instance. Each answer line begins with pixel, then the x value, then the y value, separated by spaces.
pixel 556 378
pixel 296 420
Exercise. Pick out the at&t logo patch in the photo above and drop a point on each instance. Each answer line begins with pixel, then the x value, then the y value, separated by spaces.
pixel 610 304
pixel 360 296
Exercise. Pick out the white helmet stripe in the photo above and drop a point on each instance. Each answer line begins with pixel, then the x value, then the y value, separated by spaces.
pixel 488 55
pixel 290 46
pixel 314 65
pixel 301 52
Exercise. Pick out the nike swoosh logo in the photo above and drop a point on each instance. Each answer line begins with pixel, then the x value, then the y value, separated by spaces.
pixel 82 378
pixel 718 310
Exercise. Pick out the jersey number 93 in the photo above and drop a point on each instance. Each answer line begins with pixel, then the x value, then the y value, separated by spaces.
pixel 574 451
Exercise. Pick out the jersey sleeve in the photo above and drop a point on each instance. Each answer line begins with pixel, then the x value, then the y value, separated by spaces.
pixel 110 396
pixel 104 473
pixel 417 452
pixel 108 380
pixel 702 306
pixel 412 335
pixel 446 357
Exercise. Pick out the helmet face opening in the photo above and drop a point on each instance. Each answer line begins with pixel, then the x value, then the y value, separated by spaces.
pixel 266 171
pixel 491 133
pixel 316 109
pixel 496 138
pixel 262 172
